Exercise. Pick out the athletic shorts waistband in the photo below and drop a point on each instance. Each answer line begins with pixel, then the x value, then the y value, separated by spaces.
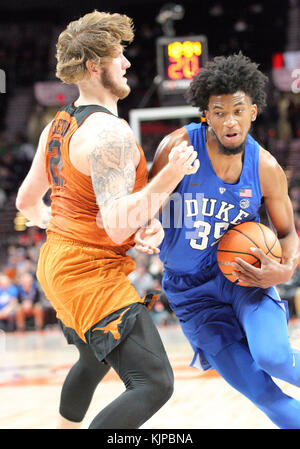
pixel 58 238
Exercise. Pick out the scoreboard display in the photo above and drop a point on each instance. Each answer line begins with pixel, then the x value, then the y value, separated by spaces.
pixel 179 59
pixel 286 71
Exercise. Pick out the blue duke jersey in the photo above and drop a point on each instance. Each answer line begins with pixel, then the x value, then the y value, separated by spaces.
pixel 211 309
pixel 203 207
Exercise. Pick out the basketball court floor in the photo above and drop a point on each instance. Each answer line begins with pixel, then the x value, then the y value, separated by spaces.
pixel 33 366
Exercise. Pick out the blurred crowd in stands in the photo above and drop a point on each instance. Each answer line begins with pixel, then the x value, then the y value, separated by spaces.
pixel 27 59
pixel 15 161
pixel 22 302
pixel 23 305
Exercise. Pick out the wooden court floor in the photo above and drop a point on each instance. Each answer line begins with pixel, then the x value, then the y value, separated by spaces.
pixel 33 366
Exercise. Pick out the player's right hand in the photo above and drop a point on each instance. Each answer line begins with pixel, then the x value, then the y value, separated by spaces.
pixel 183 159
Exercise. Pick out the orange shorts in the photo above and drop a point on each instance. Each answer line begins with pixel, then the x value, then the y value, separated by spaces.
pixel 83 283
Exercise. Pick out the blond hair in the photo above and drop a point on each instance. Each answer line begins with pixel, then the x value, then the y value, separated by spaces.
pixel 97 36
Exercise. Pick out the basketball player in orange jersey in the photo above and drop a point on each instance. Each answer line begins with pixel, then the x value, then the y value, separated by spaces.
pixel 241 332
pixel 97 174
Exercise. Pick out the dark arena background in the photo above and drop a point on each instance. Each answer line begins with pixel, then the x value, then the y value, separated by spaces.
pixel 34 357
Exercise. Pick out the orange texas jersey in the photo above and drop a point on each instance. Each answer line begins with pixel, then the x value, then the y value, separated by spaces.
pixel 75 213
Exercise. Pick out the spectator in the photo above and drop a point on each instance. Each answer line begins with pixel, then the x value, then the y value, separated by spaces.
pixel 31 237
pixel 29 303
pixel 141 280
pixel 290 292
pixel 293 117
pixel 156 268
pixel 3 198
pixel 8 302
pixel 23 151
pixel 161 312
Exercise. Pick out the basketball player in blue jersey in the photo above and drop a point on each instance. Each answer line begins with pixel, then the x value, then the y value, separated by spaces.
pixel 239 331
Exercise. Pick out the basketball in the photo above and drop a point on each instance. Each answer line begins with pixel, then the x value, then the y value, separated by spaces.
pixel 237 241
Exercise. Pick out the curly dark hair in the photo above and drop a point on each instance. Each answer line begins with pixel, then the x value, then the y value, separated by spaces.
pixel 227 75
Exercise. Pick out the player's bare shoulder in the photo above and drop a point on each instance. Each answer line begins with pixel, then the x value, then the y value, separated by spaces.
pixel 163 150
pixel 271 174
pixel 108 129
pixel 171 140
pixel 102 136
pixel 112 156
pixel 44 134
pixel 40 153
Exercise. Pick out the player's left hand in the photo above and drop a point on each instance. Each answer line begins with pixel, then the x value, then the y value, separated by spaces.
pixel 148 238
pixel 270 272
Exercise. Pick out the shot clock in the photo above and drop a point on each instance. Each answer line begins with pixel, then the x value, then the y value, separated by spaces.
pixel 179 60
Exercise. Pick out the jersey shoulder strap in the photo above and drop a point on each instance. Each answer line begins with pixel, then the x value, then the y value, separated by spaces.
pixel 80 113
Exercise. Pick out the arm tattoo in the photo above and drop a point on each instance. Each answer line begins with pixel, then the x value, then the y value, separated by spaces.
pixel 112 165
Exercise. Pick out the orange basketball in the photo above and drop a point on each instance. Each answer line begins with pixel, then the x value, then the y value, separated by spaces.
pixel 237 241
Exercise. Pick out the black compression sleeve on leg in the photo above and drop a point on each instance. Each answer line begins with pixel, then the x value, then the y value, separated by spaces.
pixel 80 384
pixel 142 364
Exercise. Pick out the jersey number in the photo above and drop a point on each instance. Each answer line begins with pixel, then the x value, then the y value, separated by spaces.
pixel 204 233
pixel 55 162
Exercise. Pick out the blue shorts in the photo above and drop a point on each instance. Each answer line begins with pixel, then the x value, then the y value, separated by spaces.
pixel 211 309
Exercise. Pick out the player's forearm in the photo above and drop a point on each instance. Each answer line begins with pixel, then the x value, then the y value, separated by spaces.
pixel 290 254
pixel 125 216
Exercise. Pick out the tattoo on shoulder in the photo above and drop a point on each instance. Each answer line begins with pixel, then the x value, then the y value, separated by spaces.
pixel 112 165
